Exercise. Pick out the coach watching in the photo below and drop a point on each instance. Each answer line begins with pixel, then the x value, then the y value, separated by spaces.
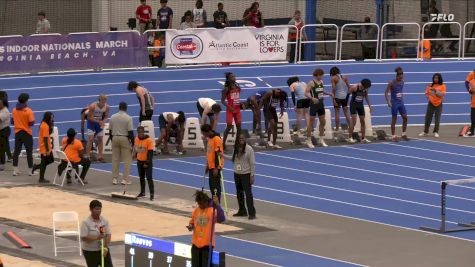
pixel 121 130
pixel 94 229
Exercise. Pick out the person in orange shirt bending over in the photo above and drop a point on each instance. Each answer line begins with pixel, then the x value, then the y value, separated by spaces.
pixel 470 85
pixel 435 93
pixel 22 119
pixel 202 223
pixel 215 158
pixel 143 152
pixel 73 149
pixel 424 48
pixel 46 147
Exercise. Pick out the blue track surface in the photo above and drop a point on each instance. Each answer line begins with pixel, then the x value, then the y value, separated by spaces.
pixel 396 184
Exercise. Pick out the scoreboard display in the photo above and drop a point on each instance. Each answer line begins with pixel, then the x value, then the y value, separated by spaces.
pixel 146 251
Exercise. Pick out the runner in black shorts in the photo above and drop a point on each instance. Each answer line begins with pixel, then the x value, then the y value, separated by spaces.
pixel 359 93
pixel 340 85
pixel 315 92
pixel 269 103
pixel 252 103
pixel 297 89
pixel 172 125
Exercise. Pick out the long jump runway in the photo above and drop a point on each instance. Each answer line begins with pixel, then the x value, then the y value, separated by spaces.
pixel 391 183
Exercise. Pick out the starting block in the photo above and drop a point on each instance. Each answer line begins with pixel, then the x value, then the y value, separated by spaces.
pixel 193 137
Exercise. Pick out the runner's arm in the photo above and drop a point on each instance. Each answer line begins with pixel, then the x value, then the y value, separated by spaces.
pixel 386 93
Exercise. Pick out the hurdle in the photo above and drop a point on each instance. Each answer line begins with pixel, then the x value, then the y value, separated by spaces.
pixel 443 208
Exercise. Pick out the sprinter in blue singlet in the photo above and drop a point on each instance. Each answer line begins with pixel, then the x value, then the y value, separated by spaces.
pixel 396 103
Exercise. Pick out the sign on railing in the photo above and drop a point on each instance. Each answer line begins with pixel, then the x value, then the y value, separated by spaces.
pixel 239 44
pixel 54 52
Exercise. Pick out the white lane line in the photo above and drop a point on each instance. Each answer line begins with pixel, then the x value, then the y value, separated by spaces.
pixel 338 189
pixel 308 209
pixel 266 83
pixel 433 150
pixel 359 169
pixel 290 250
pixel 386 163
pixel 413 157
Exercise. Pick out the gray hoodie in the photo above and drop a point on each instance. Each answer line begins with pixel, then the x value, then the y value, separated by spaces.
pixel 245 163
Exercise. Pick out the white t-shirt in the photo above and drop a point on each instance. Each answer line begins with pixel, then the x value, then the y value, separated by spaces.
pixel 199 17
pixel 206 103
pixel 174 115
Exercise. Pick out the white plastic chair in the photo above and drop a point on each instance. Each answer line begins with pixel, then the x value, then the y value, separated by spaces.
pixel 69 168
pixel 62 217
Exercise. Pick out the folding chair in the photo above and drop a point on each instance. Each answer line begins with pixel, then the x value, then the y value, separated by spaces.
pixel 62 217
pixel 61 156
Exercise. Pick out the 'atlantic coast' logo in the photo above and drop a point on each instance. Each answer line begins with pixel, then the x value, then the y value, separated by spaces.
pixel 228 46
pixel 186 46
pixel 270 43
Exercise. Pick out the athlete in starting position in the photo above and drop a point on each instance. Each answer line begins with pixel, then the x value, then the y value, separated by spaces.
pixel 172 125
pixel 269 103
pixel 252 102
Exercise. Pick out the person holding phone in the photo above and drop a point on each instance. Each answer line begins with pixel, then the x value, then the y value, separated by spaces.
pixel 435 93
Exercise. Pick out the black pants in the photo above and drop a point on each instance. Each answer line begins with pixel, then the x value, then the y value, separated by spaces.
pixel 157 61
pixel 93 258
pixel 215 184
pixel 86 163
pixel 23 138
pixel 5 144
pixel 45 161
pixel 244 187
pixel 145 172
pixel 472 116
pixel 431 110
pixel 292 51
pixel 147 117
pixel 369 52
pixel 199 256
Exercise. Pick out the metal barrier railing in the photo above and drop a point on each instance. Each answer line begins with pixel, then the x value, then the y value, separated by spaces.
pixel 359 41
pixel 383 39
pixel 459 38
pixel 332 26
pixel 291 42
pixel 465 38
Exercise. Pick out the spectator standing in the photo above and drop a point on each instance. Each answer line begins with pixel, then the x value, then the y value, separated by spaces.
pixel 144 15
pixel 45 145
pixel 293 34
pixel 435 93
pixel 434 28
pixel 253 16
pixel 4 133
pixel 424 48
pixel 215 159
pixel 165 16
pixel 94 230
pixel 187 21
pixel 158 53
pixel 368 32
pixel 23 119
pixel 122 134
pixel 5 127
pixel 220 17
pixel 143 152
pixel 202 223
pixel 73 149
pixel 43 26
pixel 470 86
pixel 199 15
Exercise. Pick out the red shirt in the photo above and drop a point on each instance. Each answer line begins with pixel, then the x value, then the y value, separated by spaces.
pixel 144 12
pixel 233 97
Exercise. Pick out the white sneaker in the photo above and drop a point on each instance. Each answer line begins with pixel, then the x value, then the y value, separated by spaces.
pixel 422 134
pixel 124 182
pixel 366 141
pixel 16 172
pixel 277 146
pixel 351 140
pixel 309 144
pixel 436 135
pixel 269 143
pixel 114 181
pixel 322 142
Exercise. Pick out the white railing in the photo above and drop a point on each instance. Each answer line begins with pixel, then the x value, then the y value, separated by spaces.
pixel 459 39
pixel 359 41
pixel 402 24
pixel 332 26
pixel 465 38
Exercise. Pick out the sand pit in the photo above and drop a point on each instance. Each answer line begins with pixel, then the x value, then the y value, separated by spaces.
pixel 17 262
pixel 35 205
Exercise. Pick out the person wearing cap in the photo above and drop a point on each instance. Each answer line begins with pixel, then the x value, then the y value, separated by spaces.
pixel 73 149
pixel 146 100
pixel 94 229
pixel 121 129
